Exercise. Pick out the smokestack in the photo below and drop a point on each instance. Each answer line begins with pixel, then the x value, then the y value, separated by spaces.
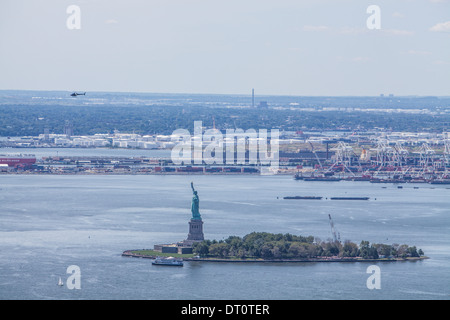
pixel 253 98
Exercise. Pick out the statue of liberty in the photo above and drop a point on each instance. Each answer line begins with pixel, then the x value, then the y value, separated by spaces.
pixel 195 206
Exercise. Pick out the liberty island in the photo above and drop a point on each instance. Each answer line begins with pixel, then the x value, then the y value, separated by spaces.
pixel 269 247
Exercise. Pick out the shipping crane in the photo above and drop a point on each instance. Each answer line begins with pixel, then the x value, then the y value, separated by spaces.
pixel 314 151
pixel 343 155
pixel 336 236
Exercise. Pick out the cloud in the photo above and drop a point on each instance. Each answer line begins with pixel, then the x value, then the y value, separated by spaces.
pixel 355 31
pixel 419 53
pixel 441 62
pixel 397 32
pixel 341 30
pixel 349 30
pixel 111 21
pixel 361 59
pixel 441 27
pixel 315 28
pixel 398 15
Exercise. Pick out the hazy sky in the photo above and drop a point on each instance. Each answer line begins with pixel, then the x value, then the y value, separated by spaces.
pixel 280 47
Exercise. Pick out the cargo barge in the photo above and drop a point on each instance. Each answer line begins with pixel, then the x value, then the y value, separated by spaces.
pixel 349 198
pixel 440 182
pixel 303 198
pixel 321 179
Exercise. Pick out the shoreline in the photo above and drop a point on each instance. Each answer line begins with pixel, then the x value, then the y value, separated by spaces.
pixel 144 173
pixel 128 253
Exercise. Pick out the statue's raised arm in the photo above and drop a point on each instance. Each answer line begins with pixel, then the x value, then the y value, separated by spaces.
pixel 192 186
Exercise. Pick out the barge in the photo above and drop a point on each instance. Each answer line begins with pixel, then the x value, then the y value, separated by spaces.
pixel 349 198
pixel 303 198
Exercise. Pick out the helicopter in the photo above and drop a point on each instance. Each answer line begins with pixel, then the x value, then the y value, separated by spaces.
pixel 78 94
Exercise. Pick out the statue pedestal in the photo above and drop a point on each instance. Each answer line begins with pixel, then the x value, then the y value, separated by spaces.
pixel 195 230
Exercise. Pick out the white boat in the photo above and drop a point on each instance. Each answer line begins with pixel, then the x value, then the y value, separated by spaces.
pixel 170 261
pixel 60 283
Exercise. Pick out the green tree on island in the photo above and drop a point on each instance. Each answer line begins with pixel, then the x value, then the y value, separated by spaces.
pixel 263 245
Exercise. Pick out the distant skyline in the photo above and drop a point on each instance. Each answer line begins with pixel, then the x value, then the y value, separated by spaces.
pixel 283 47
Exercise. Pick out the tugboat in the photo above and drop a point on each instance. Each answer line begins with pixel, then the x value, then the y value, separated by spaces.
pixel 298 176
pixel 170 261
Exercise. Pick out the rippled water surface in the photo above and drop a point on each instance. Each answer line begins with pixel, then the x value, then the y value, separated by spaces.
pixel 48 223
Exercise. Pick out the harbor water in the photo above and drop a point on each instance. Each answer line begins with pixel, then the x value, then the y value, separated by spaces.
pixel 48 223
